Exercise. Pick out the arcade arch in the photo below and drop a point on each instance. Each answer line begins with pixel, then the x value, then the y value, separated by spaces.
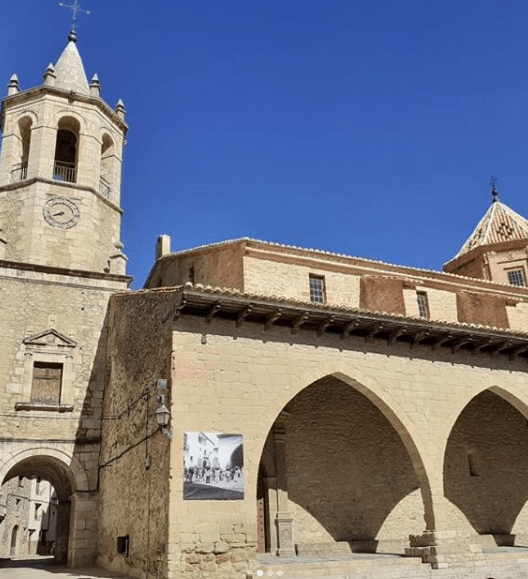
pixel 486 467
pixel 335 468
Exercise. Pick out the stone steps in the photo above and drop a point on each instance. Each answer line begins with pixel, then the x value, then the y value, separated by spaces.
pixel 358 567
pixel 499 565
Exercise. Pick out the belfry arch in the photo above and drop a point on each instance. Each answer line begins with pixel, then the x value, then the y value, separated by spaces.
pixel 338 466
pixel 70 482
pixel 486 467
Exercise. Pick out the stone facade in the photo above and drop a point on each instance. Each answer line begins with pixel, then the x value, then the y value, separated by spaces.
pixel 369 426
pixel 28 522
pixel 382 409
pixel 60 260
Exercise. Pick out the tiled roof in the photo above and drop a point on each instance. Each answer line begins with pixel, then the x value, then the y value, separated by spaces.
pixel 70 71
pixel 500 223
pixel 215 293
pixel 323 253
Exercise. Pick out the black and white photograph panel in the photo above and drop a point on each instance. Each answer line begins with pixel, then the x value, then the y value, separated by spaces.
pixel 213 467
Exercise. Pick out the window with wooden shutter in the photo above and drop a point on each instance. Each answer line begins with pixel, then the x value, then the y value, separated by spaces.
pixel 47 381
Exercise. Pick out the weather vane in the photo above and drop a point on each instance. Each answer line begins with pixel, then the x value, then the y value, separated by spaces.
pixel 492 182
pixel 75 8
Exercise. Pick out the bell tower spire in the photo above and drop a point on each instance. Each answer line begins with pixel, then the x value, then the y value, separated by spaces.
pixel 60 170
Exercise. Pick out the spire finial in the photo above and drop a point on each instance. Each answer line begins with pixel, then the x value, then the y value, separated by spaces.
pixel 492 182
pixel 75 8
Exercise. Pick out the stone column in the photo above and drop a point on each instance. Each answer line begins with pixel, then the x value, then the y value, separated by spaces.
pixel 63 532
pixel 270 485
pixel 83 536
pixel 283 519
pixel 441 544
pixel 42 151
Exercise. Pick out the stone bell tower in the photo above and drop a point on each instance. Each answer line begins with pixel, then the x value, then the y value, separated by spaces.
pixel 60 172
pixel 60 261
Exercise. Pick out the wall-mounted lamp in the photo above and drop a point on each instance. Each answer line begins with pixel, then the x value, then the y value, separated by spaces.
pixel 162 412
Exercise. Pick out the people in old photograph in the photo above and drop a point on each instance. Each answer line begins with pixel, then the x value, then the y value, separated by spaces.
pixel 213 466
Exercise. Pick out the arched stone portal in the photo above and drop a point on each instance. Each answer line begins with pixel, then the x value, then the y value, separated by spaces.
pixel 486 468
pixel 335 473
pixel 77 506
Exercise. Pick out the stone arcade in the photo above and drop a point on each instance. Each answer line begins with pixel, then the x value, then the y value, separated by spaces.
pixel 383 409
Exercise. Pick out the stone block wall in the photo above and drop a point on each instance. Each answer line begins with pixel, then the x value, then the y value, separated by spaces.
pixel 350 477
pixel 57 442
pixel 135 457
pixel 275 278
pixel 389 416
pixel 18 513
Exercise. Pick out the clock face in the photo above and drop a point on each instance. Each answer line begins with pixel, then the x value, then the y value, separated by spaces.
pixel 61 212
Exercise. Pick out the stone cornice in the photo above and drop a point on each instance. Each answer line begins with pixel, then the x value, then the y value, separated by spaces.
pixel 66 272
pixel 243 309
pixel 65 184
pixel 31 93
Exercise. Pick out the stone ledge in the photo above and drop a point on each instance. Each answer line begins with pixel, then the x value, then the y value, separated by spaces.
pixel 44 407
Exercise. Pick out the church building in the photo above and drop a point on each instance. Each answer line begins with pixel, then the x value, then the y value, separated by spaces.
pixel 257 409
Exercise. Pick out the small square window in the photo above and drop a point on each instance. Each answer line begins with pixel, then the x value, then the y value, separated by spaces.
pixel 423 304
pixel 516 277
pixel 47 382
pixel 317 289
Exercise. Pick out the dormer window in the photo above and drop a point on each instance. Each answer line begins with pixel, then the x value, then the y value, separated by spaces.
pixel 516 277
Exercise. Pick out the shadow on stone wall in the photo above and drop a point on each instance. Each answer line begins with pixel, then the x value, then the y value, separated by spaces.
pixel 347 468
pixel 486 465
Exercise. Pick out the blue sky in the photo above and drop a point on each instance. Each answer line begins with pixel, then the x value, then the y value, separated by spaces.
pixel 366 127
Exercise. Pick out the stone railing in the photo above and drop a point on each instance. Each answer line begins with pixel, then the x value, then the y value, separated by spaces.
pixel 64 172
pixel 104 188
pixel 19 172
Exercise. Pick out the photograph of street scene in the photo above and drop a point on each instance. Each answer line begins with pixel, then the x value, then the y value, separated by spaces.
pixel 213 466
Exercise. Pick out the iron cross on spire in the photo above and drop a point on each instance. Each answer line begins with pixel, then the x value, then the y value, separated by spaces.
pixel 492 182
pixel 75 8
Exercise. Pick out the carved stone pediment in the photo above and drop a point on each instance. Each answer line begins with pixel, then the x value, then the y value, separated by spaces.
pixel 50 339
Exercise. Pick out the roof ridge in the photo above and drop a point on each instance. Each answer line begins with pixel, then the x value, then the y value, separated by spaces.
pixel 334 254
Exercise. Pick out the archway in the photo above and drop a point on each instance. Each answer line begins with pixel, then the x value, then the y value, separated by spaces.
pixel 28 476
pixel 486 467
pixel 348 478
pixel 66 150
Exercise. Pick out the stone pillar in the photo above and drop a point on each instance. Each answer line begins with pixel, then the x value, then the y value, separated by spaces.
pixel 63 532
pixel 11 151
pixel 88 161
pixel 441 544
pixel 270 486
pixel 83 535
pixel 283 519
pixel 42 151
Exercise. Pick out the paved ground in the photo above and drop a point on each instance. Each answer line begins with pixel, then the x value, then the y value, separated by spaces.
pixel 43 568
